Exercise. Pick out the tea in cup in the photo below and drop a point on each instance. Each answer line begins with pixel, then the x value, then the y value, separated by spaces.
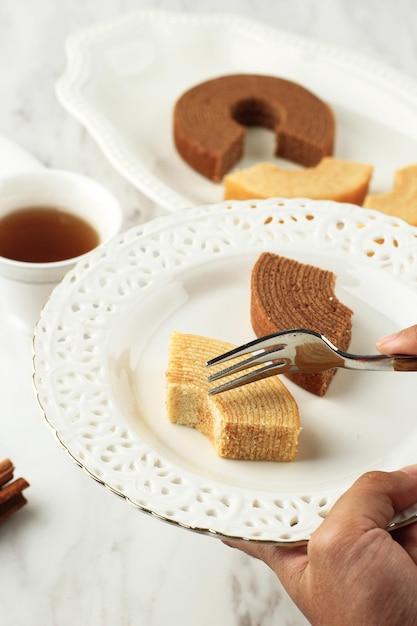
pixel 48 220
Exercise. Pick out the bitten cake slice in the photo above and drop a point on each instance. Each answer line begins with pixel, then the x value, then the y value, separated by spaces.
pixel 332 179
pixel 259 422
pixel 287 294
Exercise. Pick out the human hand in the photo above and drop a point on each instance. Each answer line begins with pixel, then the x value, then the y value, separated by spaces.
pixel 353 572
pixel 403 342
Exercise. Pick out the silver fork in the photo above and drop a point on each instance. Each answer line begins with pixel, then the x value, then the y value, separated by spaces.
pixel 299 351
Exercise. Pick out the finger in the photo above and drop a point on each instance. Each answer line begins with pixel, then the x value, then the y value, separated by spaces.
pixel 403 342
pixel 286 561
pixel 268 552
pixel 373 500
pixel 407 537
pixel 370 503
pixel 258 550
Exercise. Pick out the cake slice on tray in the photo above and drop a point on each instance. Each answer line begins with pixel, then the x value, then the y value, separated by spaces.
pixel 339 180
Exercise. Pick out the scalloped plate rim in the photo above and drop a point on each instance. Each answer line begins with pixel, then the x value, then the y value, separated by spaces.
pixel 161 225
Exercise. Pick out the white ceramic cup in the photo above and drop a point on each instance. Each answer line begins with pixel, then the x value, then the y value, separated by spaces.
pixel 25 287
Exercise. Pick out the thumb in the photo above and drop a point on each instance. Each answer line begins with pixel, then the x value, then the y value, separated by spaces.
pixel 373 499
pixel 403 342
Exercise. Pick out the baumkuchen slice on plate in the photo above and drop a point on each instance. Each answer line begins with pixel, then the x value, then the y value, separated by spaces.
pixel 258 422
pixel 210 121
pixel 286 294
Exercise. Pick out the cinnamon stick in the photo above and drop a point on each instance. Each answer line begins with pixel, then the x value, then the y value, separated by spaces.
pixel 12 489
pixel 6 471
pixel 11 497
pixel 12 505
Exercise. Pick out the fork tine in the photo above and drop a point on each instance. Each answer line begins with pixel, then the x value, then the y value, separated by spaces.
pixel 255 359
pixel 268 348
pixel 254 345
pixel 262 372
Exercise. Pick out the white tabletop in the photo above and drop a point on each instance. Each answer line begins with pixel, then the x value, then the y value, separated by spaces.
pixel 76 554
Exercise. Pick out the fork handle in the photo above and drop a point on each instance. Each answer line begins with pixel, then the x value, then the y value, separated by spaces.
pixel 380 362
pixel 404 364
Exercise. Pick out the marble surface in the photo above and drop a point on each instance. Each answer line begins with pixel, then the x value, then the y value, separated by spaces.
pixel 76 553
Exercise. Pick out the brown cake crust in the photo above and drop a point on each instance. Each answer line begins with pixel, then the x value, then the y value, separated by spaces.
pixel 287 294
pixel 210 121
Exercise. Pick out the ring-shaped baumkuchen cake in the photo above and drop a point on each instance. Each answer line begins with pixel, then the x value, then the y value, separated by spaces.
pixel 288 294
pixel 210 121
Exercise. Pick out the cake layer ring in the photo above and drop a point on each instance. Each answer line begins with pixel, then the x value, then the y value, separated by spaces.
pixel 210 121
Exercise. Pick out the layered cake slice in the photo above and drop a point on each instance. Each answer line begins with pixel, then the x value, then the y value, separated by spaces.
pixel 258 422
pixel 332 179
pixel 286 294
pixel 401 201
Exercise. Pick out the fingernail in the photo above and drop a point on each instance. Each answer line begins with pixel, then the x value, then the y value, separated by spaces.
pixel 387 339
pixel 411 470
